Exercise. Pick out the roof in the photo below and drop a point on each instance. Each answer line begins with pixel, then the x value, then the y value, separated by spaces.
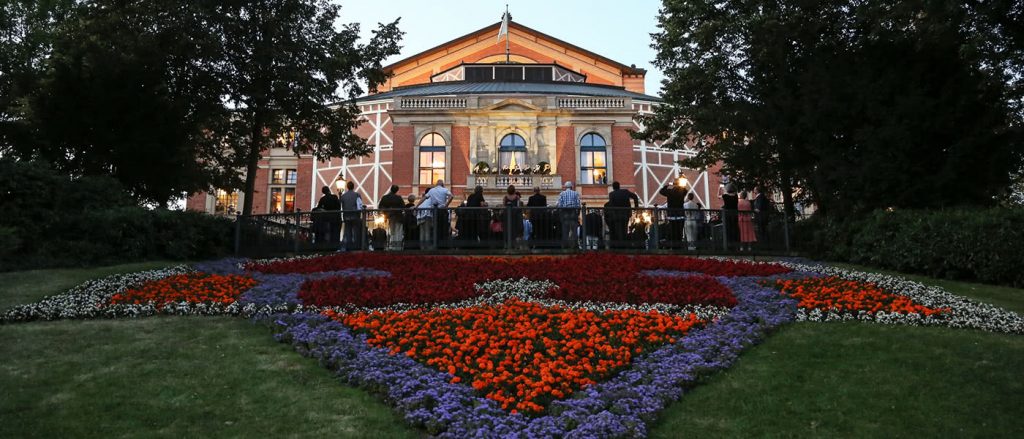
pixel 626 69
pixel 535 88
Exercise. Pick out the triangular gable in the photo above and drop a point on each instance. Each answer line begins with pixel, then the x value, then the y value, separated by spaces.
pixel 527 46
pixel 513 105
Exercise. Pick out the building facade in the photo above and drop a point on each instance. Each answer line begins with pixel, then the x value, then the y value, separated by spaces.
pixel 543 113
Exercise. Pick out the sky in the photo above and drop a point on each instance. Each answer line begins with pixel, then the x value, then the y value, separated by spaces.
pixel 619 30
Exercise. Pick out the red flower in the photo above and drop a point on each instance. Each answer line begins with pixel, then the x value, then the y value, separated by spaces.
pixel 837 294
pixel 605 278
pixel 192 288
pixel 521 354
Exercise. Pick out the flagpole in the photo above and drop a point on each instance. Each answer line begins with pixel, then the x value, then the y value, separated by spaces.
pixel 508 56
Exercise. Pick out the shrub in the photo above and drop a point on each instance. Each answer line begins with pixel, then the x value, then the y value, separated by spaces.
pixel 52 220
pixel 981 244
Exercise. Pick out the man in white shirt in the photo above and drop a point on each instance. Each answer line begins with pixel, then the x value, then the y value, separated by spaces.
pixel 691 209
pixel 436 201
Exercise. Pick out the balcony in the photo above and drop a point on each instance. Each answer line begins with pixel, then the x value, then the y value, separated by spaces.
pixel 492 182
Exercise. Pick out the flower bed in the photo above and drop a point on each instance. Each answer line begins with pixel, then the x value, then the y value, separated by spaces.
pixel 520 354
pixel 191 288
pixel 832 293
pixel 963 312
pixel 605 278
pixel 583 346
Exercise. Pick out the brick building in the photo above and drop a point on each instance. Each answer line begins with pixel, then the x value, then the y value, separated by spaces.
pixel 542 113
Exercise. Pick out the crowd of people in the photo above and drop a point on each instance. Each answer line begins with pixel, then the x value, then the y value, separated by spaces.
pixel 430 222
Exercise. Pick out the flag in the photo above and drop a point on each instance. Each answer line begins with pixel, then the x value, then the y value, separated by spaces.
pixel 504 27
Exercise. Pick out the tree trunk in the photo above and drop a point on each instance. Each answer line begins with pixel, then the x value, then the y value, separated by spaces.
pixel 252 162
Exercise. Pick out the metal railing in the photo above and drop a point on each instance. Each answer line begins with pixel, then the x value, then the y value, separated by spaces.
pixel 517 229
pixel 502 182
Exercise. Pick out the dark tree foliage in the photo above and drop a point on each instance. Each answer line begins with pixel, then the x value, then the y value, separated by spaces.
pixel 861 104
pixel 27 30
pixel 126 91
pixel 173 97
pixel 283 61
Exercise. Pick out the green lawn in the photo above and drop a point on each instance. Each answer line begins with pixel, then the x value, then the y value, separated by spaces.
pixel 1006 297
pixel 224 377
pixel 173 377
pixel 19 287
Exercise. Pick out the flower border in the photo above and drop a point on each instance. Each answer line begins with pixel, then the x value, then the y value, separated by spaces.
pixel 619 407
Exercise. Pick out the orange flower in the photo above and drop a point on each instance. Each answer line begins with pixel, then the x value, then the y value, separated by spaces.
pixel 521 354
pixel 837 294
pixel 192 288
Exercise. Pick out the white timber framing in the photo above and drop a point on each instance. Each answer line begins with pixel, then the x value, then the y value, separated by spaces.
pixel 660 172
pixel 367 171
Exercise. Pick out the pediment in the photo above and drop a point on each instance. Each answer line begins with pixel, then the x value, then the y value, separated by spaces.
pixel 512 105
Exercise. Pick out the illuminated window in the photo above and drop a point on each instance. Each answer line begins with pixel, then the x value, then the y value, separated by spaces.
pixel 432 159
pixel 227 202
pixel 282 200
pixel 284 176
pixel 593 160
pixel 512 153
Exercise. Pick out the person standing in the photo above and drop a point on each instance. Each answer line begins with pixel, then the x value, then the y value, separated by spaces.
pixel 746 223
pixel 442 199
pixel 412 232
pixel 619 212
pixel 475 221
pixel 691 213
pixel 675 197
pixel 351 208
pixel 762 210
pixel 432 215
pixel 513 215
pixel 392 205
pixel 569 211
pixel 330 206
pixel 537 199
pixel 729 205
pixel 540 217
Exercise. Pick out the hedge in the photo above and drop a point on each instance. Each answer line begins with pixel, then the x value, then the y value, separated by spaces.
pixel 984 245
pixel 54 220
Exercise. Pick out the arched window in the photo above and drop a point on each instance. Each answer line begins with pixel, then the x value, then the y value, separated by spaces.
pixel 593 159
pixel 432 158
pixel 512 154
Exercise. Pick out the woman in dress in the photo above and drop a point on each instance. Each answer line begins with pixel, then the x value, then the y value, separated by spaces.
pixel 746 223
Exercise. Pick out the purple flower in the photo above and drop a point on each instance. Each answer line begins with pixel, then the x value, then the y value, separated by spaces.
pixel 619 407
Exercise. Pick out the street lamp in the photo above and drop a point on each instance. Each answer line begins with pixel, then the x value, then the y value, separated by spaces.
pixel 339 184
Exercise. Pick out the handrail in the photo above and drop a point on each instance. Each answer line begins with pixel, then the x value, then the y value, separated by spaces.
pixel 516 229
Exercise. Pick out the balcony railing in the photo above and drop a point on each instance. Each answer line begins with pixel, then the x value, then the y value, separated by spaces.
pixel 433 102
pixel 501 182
pixel 595 103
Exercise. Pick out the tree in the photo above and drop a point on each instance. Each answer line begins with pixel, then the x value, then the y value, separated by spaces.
pixel 283 62
pixel 126 91
pixel 864 104
pixel 27 31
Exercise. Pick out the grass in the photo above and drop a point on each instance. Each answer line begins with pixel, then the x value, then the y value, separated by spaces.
pixel 19 287
pixel 1005 297
pixel 174 377
pixel 861 380
pixel 223 377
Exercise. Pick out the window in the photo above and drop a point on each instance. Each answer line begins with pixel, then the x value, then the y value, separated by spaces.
pixel 593 160
pixel 512 153
pixel 282 200
pixel 227 202
pixel 284 176
pixel 432 159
